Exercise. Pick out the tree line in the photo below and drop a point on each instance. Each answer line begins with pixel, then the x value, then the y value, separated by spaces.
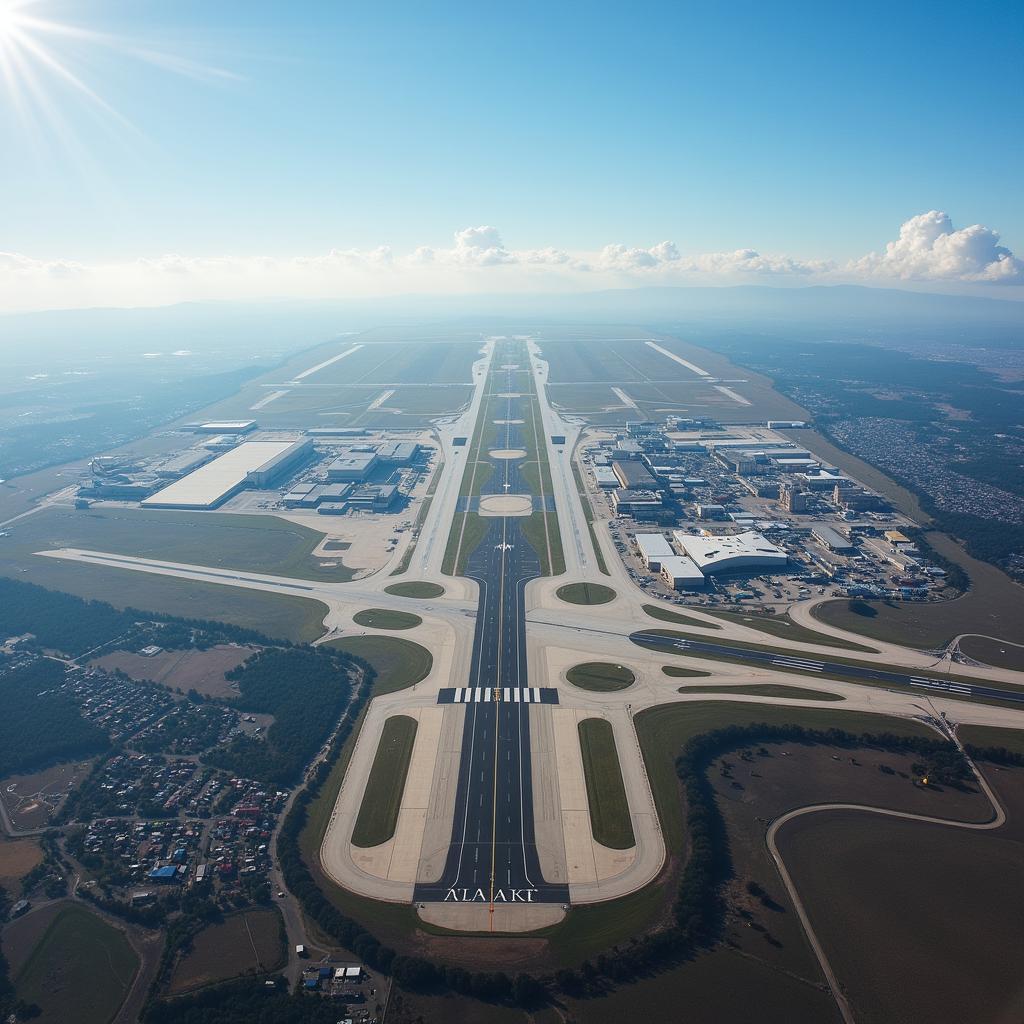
pixel 72 625
pixel 41 724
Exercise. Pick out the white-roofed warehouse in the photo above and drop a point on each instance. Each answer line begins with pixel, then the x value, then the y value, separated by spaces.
pixel 681 573
pixel 653 549
pixel 727 552
pixel 252 463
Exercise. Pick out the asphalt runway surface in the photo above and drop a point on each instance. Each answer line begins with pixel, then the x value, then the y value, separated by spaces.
pixel 492 857
pixel 812 663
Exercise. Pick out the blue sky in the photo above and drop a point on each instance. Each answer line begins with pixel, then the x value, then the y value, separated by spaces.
pixel 806 129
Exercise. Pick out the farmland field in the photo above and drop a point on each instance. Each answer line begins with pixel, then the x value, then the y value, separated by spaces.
pixel 245 942
pixel 17 858
pixel 187 670
pixel 80 970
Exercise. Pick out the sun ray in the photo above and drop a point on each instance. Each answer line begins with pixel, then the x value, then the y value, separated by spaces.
pixel 37 60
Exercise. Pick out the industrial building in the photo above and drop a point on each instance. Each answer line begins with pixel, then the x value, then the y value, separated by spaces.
pixel 832 540
pixel 376 497
pixel 633 476
pixel 605 477
pixel 181 464
pixel 728 552
pixel 653 549
pixel 397 453
pixel 352 467
pixel 645 505
pixel 226 427
pixel 314 495
pixel 681 573
pixel 251 464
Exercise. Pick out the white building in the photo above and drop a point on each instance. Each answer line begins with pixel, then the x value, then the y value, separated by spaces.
pixel 727 552
pixel 653 549
pixel 681 573
pixel 252 464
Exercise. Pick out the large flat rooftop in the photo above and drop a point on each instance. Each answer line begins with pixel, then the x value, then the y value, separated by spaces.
pixel 218 480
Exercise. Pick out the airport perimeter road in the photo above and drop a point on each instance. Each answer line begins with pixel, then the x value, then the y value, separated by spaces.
pixel 492 857
pixel 806 663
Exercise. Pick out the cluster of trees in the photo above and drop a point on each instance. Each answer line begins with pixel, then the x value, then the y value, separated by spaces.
pixel 41 724
pixel 997 755
pixel 243 1002
pixel 67 623
pixel 59 621
pixel 305 689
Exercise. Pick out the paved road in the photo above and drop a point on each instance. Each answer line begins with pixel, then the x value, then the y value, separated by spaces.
pixel 493 856
pixel 807 663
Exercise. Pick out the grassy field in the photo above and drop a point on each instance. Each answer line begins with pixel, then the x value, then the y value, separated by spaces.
pixel 683 673
pixel 398 662
pixel 989 736
pixel 382 798
pixel 662 731
pixel 250 543
pixel 80 970
pixel 717 987
pixel 585 593
pixel 190 669
pixel 870 885
pixel 784 627
pixel 656 611
pixel 250 942
pixel 765 690
pixel 600 676
pixel 281 616
pixel 386 618
pixel 17 858
pixel 606 794
pixel 415 588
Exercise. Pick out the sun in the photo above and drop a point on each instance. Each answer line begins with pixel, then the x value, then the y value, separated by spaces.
pixel 40 59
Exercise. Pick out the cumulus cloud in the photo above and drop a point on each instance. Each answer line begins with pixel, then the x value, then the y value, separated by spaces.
pixel 930 249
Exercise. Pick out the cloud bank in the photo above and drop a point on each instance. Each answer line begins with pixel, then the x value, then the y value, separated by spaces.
pixel 928 249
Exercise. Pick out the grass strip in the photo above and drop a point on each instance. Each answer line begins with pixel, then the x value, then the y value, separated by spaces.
pixel 382 797
pixel 606 793
pixel 386 618
pixel 415 588
pixel 668 615
pixel 783 626
pixel 600 676
pixel 585 593
pixel 765 690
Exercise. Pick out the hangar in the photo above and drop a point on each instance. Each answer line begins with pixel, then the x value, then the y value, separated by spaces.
pixel 727 552
pixel 251 464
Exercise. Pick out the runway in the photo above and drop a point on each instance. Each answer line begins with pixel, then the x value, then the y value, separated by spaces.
pixel 810 663
pixel 492 857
